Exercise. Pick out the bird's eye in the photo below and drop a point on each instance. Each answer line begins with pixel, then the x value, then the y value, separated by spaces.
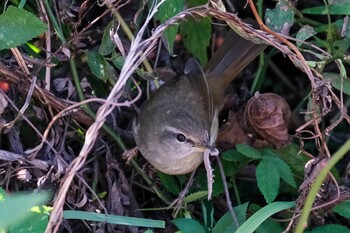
pixel 180 137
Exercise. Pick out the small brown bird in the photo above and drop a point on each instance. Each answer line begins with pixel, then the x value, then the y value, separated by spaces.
pixel 179 122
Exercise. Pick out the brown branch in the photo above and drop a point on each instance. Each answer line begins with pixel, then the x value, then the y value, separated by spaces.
pixel 42 95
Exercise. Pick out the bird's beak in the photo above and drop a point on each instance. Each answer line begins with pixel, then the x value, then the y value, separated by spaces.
pixel 212 149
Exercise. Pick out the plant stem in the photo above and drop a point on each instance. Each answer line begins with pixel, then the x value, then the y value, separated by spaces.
pixel 54 22
pixel 302 224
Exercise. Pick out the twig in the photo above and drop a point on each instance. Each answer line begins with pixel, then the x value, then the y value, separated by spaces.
pixel 227 194
pixel 41 94
pixel 48 47
pixel 131 62
pixel 20 60
pixel 9 125
pixel 317 185
pixel 10 156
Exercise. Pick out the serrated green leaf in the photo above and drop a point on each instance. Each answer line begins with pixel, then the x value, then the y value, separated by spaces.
pixel 107 46
pixel 167 10
pixel 196 36
pixel 187 225
pixel 283 169
pixel 331 228
pixel 18 26
pixel 225 223
pixel 235 156
pixel 267 177
pixel 280 18
pixel 305 33
pixel 290 154
pixel 337 82
pixel 248 151
pixel 343 209
pixel 259 217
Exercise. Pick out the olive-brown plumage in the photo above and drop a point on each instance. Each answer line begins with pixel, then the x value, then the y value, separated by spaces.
pixel 175 124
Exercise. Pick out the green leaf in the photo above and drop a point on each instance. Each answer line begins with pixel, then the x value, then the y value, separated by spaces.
pixel 188 225
pixel 305 33
pixel 169 35
pixel 118 60
pixel 337 81
pixel 233 161
pixel 107 46
pixel 15 209
pixel 332 10
pixel 167 10
pixel 208 213
pixel 268 177
pixel 269 225
pixel 335 30
pixel 169 182
pixel 231 168
pixel 248 151
pixel 99 66
pixel 290 154
pixel 114 219
pixel 235 156
pixel 331 228
pixel 196 36
pixel 259 217
pixel 343 209
pixel 281 18
pixel 225 223
pixel 2 194
pixel 283 169
pixel 102 194
pixel 18 26
pixel 195 196
pixel 36 221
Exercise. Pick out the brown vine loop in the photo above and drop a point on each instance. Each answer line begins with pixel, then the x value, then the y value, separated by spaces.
pixel 266 116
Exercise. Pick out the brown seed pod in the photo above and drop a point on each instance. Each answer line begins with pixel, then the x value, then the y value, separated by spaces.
pixel 266 116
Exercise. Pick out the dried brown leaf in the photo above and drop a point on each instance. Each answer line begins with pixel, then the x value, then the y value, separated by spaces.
pixel 3 103
pixel 266 116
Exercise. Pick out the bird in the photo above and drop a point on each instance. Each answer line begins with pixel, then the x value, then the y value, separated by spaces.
pixel 179 122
